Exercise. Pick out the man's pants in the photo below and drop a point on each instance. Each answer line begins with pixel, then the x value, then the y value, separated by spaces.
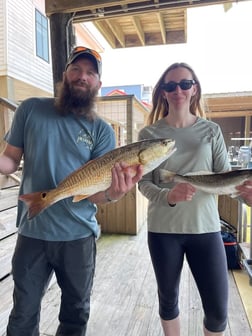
pixel 33 264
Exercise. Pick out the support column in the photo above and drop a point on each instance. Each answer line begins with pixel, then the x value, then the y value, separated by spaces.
pixel 62 41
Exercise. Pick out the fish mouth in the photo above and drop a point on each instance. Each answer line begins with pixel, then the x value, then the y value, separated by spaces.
pixel 173 150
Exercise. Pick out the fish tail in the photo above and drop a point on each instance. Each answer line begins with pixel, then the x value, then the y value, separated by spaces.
pixel 36 202
pixel 166 176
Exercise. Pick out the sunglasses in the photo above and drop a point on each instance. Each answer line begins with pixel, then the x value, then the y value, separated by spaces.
pixel 92 52
pixel 184 84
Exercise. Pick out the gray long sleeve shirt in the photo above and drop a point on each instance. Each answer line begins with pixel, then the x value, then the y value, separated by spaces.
pixel 200 147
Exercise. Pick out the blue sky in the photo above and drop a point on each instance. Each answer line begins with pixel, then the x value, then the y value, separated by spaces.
pixel 218 48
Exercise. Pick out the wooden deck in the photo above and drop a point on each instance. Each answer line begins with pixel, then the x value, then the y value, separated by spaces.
pixel 124 298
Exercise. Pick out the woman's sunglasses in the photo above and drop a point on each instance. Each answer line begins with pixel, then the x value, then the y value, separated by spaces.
pixel 184 84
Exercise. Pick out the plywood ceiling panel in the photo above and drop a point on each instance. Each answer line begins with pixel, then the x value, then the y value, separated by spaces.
pixel 133 23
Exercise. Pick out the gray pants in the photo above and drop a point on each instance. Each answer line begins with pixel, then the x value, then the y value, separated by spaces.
pixel 33 264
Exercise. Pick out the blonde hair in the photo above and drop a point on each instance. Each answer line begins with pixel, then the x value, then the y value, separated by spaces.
pixel 160 106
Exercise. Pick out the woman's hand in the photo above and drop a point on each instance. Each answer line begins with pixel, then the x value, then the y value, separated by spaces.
pixel 245 190
pixel 181 192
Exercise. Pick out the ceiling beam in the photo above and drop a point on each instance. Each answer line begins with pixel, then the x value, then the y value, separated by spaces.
pixel 133 6
pixel 162 27
pixel 115 28
pixel 140 33
pixel 66 6
pixel 105 31
pixel 228 114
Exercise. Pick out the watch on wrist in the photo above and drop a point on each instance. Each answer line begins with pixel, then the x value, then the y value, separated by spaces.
pixel 107 197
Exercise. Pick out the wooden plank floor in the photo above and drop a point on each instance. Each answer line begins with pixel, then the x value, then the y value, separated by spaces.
pixel 124 298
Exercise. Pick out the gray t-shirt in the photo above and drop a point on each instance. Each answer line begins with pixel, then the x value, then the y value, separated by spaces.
pixel 54 146
pixel 200 147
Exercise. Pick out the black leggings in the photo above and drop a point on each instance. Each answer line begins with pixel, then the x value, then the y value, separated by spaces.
pixel 206 257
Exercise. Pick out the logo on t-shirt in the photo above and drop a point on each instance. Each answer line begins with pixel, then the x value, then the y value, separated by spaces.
pixel 86 138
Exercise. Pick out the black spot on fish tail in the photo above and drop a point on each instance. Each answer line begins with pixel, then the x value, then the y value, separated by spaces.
pixel 36 203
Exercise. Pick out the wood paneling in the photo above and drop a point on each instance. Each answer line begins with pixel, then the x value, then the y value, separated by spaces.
pixel 228 209
pixel 125 216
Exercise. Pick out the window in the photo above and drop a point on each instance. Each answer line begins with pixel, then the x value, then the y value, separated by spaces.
pixel 41 24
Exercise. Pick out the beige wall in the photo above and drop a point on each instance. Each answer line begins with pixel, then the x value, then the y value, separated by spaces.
pixel 17 90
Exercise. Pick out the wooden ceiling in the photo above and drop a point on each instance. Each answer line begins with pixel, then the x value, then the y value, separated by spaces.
pixel 133 23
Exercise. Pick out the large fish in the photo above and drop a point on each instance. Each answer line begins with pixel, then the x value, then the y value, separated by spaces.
pixel 96 176
pixel 213 183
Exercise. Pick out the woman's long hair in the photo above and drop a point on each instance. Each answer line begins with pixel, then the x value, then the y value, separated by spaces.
pixel 160 106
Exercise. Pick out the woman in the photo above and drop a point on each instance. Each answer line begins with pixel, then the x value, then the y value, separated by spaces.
pixel 182 221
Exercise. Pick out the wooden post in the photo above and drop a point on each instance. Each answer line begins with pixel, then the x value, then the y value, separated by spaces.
pixel 62 41
pixel 247 130
pixel 129 117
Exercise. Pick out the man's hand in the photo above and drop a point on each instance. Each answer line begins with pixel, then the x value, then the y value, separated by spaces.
pixel 124 178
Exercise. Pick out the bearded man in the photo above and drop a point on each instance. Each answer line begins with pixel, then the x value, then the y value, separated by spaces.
pixel 56 136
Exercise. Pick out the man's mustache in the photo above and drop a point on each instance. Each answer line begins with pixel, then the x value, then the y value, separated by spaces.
pixel 80 83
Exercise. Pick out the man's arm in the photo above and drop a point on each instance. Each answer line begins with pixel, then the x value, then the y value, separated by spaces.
pixel 10 159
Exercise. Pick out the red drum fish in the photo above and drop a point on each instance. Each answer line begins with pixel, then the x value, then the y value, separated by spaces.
pixel 95 175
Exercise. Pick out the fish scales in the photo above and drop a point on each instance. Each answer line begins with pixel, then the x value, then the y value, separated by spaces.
pixel 100 170
pixel 96 176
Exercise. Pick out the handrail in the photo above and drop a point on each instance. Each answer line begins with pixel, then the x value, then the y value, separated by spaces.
pixel 8 103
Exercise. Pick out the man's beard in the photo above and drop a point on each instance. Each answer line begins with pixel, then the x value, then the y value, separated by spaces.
pixel 73 100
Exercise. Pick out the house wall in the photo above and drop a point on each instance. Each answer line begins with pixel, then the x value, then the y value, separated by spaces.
pixel 19 65
pixel 2 39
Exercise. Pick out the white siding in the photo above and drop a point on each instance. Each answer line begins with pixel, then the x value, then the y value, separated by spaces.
pixel 2 38
pixel 23 64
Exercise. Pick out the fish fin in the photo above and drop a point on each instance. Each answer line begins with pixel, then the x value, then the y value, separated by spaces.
pixel 166 175
pixel 36 202
pixel 79 198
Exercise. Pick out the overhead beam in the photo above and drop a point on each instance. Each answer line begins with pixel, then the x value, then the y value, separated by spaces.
pixel 66 6
pixel 228 114
pixel 117 32
pixel 105 31
pixel 133 6
pixel 162 27
pixel 140 33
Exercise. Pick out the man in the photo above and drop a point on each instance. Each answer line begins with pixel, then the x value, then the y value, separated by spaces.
pixel 57 136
